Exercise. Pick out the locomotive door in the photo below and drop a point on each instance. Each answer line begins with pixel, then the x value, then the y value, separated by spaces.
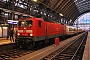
pixel 46 31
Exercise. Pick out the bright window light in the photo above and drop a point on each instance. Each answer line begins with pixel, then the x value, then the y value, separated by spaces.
pixel 34 0
pixel 61 14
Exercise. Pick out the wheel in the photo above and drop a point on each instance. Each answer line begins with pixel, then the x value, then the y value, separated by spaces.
pixel 18 43
pixel 30 45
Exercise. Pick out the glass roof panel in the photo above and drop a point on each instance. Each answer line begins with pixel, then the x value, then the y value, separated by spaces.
pixel 82 5
pixel 83 21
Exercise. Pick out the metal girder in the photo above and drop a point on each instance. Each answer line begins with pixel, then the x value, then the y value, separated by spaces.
pixel 83 5
pixel 64 6
pixel 58 4
pixel 68 6
pixel 70 11
pixel 61 5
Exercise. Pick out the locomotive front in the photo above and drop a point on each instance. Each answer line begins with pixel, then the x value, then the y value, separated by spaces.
pixel 25 32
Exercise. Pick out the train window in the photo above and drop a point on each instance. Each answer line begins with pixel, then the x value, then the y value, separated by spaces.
pixel 39 24
pixel 70 29
pixel 25 23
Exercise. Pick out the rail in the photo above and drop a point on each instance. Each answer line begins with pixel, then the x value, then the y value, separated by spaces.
pixel 64 53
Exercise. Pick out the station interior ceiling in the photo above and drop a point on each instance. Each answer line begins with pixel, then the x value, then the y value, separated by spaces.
pixel 50 10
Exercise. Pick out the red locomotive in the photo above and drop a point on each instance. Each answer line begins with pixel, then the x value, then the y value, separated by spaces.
pixel 33 30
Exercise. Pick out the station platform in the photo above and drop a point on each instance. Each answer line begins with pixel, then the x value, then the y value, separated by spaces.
pixel 4 41
pixel 86 54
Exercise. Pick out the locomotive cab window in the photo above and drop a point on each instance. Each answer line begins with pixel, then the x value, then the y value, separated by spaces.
pixel 39 24
pixel 25 23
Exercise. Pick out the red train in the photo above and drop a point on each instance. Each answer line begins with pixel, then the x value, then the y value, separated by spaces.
pixel 33 30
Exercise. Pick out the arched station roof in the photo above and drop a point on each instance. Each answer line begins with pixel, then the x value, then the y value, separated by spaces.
pixel 71 9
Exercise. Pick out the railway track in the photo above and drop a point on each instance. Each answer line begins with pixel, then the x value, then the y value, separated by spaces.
pixel 12 53
pixel 71 51
pixel 16 53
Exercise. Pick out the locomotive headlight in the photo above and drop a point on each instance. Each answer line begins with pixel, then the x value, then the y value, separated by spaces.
pixel 31 34
pixel 18 34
